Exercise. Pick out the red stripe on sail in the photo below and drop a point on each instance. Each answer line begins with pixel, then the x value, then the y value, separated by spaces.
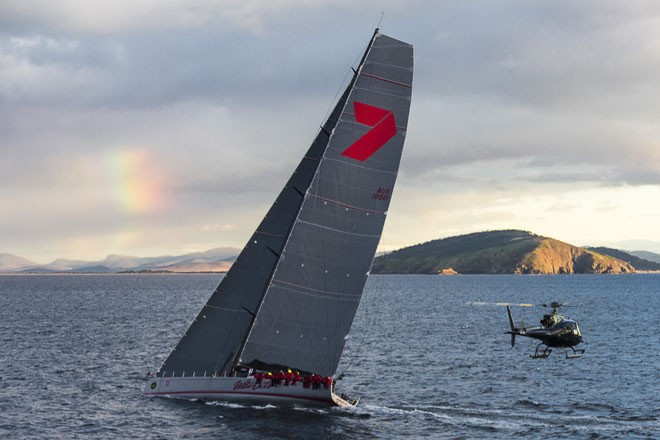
pixel 391 81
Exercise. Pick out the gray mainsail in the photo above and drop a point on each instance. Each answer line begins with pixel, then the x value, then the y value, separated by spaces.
pixel 326 221
pixel 314 293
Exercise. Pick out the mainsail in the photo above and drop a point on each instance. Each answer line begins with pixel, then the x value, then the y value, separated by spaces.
pixel 290 298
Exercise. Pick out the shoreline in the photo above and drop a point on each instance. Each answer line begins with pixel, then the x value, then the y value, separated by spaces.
pixel 108 273
pixel 639 272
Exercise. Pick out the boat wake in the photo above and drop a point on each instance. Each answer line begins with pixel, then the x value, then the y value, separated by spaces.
pixel 234 405
pixel 515 421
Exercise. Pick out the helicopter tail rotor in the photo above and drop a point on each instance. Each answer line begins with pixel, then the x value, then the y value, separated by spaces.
pixel 513 327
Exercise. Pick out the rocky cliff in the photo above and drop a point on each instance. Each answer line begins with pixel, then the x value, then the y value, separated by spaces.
pixel 555 257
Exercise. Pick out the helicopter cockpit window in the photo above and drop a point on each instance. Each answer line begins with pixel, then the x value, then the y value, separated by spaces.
pixel 546 321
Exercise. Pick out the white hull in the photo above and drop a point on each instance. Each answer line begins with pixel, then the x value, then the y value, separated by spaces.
pixel 241 389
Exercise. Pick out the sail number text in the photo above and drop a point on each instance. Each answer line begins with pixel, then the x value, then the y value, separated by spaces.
pixel 382 194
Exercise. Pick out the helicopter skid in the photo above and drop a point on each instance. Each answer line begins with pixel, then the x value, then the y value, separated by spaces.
pixel 541 354
pixel 544 354
pixel 576 354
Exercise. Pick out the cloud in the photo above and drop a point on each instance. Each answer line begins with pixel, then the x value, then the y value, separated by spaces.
pixel 253 16
pixel 511 100
pixel 218 227
pixel 123 15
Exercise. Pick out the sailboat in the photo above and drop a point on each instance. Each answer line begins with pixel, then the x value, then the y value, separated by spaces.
pixel 275 327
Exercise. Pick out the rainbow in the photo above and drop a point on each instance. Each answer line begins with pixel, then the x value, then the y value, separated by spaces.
pixel 137 182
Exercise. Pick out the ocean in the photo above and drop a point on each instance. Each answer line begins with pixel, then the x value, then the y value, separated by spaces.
pixel 425 362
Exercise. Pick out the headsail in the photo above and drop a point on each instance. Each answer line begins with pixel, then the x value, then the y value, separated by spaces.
pixel 314 293
pixel 290 297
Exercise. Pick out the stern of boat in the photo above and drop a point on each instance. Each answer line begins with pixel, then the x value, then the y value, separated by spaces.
pixel 344 401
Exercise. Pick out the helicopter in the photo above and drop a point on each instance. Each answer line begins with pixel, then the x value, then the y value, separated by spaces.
pixel 555 331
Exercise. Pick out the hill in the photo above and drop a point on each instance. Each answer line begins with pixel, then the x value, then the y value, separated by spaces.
pixel 10 262
pixel 214 260
pixel 498 252
pixel 495 252
pixel 639 263
pixel 650 256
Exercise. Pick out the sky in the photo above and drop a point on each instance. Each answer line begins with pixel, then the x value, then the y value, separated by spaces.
pixel 149 127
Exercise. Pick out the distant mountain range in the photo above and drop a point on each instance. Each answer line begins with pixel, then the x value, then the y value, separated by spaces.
pixel 491 252
pixel 641 260
pixel 646 255
pixel 507 252
pixel 214 260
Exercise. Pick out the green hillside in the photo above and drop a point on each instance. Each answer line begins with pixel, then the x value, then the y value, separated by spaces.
pixel 497 252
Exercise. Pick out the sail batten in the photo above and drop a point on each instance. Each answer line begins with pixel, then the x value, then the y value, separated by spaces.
pixel 391 81
pixel 339 231
pixel 309 290
pixel 345 205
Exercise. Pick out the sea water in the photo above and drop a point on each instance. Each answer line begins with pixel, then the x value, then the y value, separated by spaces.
pixel 425 362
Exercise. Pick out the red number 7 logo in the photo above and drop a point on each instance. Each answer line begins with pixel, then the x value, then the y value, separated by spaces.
pixel 384 129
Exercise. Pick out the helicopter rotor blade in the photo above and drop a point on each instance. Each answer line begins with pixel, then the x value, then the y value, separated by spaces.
pixel 554 304
pixel 503 304
pixel 576 302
